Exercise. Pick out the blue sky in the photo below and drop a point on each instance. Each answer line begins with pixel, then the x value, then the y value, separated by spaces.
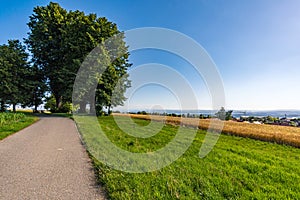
pixel 254 43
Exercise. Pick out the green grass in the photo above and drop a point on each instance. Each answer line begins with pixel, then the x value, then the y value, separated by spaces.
pixel 13 122
pixel 237 168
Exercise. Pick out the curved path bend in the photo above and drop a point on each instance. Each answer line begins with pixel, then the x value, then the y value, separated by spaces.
pixel 47 161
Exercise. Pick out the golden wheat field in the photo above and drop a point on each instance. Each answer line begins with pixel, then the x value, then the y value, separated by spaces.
pixel 272 133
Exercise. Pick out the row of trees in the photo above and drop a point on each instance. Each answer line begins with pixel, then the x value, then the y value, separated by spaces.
pixel 20 82
pixel 58 42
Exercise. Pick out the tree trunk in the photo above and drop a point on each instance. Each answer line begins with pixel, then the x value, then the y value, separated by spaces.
pixel 92 107
pixel 82 107
pixel 108 110
pixel 14 107
pixel 35 102
pixel 2 108
pixel 58 101
pixel 35 108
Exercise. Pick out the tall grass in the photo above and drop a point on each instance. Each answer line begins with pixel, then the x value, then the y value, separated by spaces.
pixel 7 118
pixel 13 122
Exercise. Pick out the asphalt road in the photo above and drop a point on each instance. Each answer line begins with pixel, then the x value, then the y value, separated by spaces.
pixel 47 161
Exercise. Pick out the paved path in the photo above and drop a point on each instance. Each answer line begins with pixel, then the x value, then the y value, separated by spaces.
pixel 46 161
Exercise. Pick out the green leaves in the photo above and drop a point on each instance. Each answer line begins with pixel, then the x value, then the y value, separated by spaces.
pixel 61 40
pixel 15 73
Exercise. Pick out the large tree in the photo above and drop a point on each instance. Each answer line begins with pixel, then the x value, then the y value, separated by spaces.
pixel 46 43
pixel 60 40
pixel 113 84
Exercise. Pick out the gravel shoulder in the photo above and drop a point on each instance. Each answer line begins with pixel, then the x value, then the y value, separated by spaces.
pixel 47 161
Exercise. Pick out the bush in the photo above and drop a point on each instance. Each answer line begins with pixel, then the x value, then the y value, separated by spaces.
pixel 223 115
pixel 99 111
pixel 66 107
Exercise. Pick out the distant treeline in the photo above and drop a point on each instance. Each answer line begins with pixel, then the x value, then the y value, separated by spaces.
pixel 188 115
pixel 221 114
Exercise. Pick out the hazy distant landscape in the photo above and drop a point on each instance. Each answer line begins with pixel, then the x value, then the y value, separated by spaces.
pixel 236 113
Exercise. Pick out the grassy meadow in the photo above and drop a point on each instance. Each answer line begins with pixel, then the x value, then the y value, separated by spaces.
pixel 237 167
pixel 13 122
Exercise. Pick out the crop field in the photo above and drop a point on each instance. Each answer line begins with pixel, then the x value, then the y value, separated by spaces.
pixel 13 122
pixel 236 168
pixel 271 133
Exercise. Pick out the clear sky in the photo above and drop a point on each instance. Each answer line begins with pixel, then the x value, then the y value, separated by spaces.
pixel 254 43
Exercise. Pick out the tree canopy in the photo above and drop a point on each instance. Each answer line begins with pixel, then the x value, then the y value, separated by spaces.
pixel 16 83
pixel 60 40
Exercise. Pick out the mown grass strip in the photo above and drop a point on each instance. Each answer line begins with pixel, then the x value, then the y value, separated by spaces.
pixel 237 168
